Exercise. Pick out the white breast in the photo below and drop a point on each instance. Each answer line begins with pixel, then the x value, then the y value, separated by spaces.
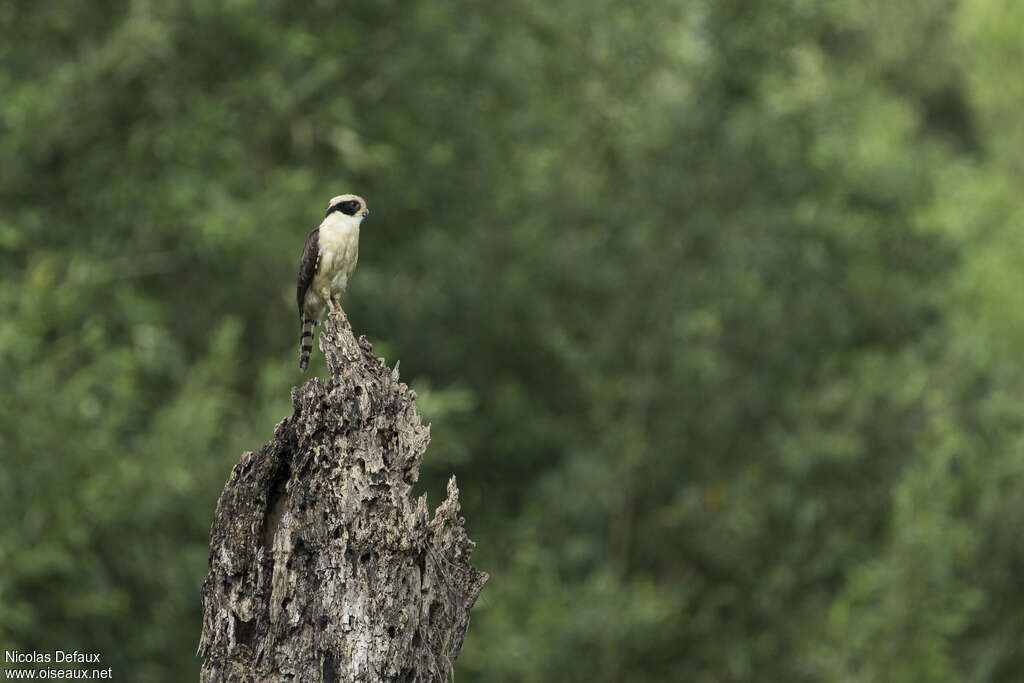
pixel 339 251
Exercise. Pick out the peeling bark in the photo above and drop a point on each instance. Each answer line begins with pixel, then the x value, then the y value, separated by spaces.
pixel 322 568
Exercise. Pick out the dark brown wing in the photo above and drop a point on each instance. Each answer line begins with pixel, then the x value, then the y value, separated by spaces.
pixel 307 269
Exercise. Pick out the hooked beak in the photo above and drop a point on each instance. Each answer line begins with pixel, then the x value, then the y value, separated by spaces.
pixel 366 212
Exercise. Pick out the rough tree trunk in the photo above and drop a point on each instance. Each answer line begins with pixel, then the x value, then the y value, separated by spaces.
pixel 322 568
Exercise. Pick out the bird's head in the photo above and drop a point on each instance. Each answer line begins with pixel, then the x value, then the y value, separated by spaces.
pixel 350 205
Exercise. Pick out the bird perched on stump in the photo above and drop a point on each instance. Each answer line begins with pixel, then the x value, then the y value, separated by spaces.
pixel 328 260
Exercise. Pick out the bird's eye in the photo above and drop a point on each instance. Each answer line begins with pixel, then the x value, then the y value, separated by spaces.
pixel 349 207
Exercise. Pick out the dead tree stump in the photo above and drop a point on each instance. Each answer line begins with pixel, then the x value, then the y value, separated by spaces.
pixel 322 567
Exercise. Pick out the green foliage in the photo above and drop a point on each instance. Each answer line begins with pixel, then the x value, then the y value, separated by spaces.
pixel 714 307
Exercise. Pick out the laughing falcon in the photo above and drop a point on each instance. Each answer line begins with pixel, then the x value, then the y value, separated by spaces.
pixel 328 260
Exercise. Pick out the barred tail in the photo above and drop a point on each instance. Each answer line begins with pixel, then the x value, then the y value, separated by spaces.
pixel 306 343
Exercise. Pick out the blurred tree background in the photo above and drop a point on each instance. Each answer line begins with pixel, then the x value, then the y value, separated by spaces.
pixel 715 307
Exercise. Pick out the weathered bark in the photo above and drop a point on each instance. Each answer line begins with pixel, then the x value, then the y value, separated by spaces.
pixel 322 568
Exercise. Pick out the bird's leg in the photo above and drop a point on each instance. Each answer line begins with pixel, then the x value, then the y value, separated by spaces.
pixel 329 301
pixel 334 304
